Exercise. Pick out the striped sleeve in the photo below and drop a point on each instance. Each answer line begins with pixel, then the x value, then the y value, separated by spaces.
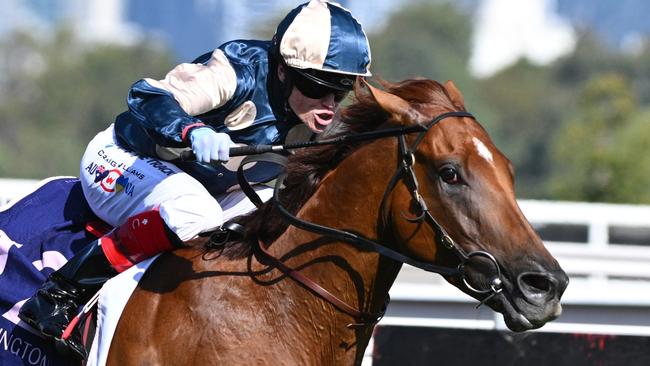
pixel 167 107
pixel 199 88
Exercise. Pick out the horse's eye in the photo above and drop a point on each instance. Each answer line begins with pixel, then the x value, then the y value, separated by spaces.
pixel 449 175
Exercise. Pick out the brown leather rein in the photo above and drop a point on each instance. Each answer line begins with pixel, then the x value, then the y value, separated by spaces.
pixel 362 317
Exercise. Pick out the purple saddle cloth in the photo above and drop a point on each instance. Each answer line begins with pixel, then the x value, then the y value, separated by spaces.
pixel 38 234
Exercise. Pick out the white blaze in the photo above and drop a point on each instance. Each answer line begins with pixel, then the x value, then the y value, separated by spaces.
pixel 483 151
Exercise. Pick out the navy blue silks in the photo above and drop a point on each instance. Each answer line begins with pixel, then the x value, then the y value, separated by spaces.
pixel 155 118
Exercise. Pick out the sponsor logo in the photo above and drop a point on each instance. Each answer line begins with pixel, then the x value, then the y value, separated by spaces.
pixel 137 223
pixel 109 182
pixel 119 165
pixel 160 166
pixel 25 347
pixel 107 159
pixel 28 352
pixel 116 182
pixel 136 173
pixel 112 181
pixel 99 171
pixel 122 184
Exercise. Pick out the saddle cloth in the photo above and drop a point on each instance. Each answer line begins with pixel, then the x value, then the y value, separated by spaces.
pixel 38 234
pixel 112 300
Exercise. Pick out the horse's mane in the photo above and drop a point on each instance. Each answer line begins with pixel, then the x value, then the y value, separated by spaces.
pixel 306 167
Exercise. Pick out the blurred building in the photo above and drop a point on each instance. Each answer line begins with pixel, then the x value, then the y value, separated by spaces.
pixel 191 27
pixel 196 26
pixel 620 24
pixel 93 20
pixel 507 30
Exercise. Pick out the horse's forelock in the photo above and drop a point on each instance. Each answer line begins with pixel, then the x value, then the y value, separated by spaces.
pixel 422 93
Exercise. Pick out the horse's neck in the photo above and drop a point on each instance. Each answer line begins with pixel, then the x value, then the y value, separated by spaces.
pixel 349 198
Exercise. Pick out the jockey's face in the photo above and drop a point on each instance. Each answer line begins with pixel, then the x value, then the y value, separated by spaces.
pixel 314 110
pixel 315 113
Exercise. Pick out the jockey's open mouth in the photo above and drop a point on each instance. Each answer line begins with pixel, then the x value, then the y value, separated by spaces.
pixel 324 118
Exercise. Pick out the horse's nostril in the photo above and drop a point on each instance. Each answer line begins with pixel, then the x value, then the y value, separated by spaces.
pixel 535 282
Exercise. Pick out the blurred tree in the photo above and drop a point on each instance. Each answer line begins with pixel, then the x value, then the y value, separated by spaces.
pixel 589 57
pixel 425 39
pixel 60 94
pixel 601 153
pixel 639 69
pixel 530 104
pixel 631 172
pixel 431 40
pixel 526 105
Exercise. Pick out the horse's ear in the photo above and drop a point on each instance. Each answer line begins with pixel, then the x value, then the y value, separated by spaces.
pixel 399 109
pixel 454 94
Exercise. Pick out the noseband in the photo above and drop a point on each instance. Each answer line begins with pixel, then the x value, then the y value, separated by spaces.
pixel 405 173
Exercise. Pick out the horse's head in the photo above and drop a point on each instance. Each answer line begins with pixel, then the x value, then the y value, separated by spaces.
pixel 460 184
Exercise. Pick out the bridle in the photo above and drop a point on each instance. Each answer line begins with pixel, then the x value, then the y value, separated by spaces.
pixel 406 173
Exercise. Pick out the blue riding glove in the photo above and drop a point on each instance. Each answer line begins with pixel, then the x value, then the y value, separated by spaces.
pixel 209 145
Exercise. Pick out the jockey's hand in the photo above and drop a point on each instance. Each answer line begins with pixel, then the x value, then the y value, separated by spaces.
pixel 209 145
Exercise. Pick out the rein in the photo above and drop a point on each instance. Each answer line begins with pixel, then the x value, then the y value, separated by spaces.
pixel 405 173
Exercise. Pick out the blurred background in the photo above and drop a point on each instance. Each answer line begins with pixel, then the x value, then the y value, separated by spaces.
pixel 562 86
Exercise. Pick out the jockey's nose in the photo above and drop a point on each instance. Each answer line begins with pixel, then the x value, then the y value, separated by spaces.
pixel 541 287
pixel 328 101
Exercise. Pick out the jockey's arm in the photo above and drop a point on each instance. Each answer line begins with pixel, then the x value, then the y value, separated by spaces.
pixel 167 108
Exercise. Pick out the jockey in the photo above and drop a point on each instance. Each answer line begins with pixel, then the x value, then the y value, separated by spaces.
pixel 245 92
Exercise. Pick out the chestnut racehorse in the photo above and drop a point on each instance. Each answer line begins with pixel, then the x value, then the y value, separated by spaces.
pixel 435 193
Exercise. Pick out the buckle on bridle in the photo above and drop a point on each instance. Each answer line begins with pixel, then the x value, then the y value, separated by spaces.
pixel 409 158
pixel 447 242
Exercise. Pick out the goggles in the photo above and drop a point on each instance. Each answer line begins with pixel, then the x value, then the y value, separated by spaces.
pixel 316 85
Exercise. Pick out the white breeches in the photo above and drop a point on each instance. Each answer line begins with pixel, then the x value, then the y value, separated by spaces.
pixel 118 184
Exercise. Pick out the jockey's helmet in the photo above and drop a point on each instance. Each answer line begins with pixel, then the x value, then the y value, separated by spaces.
pixel 322 44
